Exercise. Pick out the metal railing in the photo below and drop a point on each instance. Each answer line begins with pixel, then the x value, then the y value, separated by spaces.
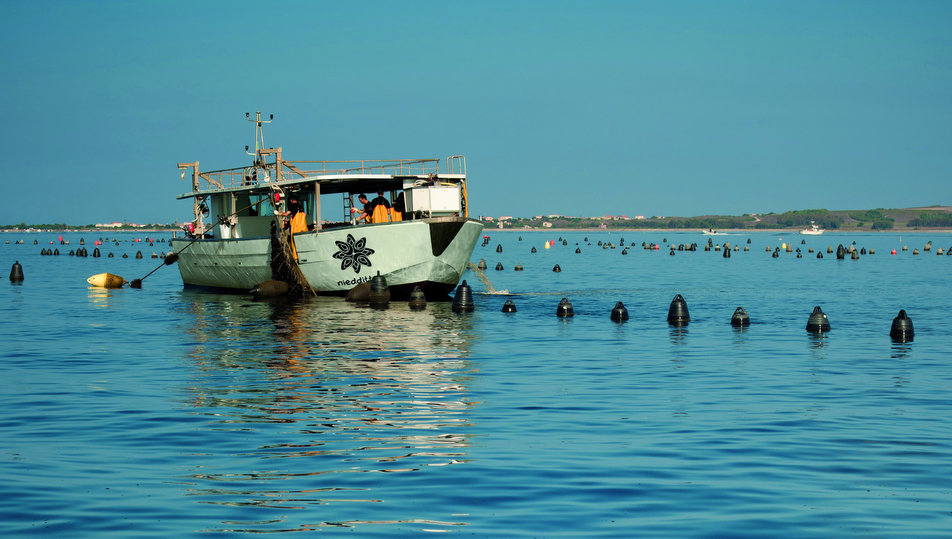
pixel 236 177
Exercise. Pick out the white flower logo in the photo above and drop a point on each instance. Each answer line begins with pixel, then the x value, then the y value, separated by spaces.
pixel 353 253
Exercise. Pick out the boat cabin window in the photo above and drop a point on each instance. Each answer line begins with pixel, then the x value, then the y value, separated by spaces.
pixel 243 205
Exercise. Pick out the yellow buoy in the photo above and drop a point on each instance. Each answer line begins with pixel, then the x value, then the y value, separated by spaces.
pixel 106 280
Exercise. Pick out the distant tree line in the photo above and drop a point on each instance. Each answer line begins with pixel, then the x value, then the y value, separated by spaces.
pixel 932 219
pixel 823 218
pixel 876 217
pixel 679 222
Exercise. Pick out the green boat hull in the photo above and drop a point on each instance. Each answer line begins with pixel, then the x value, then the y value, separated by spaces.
pixel 431 253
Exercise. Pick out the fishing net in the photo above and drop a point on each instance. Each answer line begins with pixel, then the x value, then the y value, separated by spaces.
pixel 284 266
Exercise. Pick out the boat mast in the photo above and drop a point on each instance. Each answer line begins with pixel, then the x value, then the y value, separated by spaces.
pixel 259 135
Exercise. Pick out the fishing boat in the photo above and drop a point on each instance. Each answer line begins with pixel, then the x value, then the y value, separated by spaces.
pixel 241 216
pixel 813 230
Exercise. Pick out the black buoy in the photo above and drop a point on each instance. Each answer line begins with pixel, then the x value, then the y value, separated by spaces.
pixel 624 251
pixel 564 242
pixel 740 318
pixel 678 312
pixel 498 266
pixel 840 252
pixel 463 299
pixel 417 299
pixel 508 306
pixel 125 255
pixel 520 238
pixel 498 247
pixel 482 264
pixel 138 254
pixel 578 251
pixel 16 272
pixel 854 255
pixel 533 250
pixel 818 322
pixel 518 267
pixel 266 289
pixel 901 330
pixel 379 291
pixel 564 310
pixel 727 252
pixel 556 268
pixel 819 255
pixel 110 255
pixel 619 312
pixel 96 253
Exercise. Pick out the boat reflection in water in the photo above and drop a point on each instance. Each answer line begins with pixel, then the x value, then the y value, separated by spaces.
pixel 311 406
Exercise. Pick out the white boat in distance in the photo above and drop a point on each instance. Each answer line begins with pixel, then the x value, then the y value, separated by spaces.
pixel 712 232
pixel 814 230
pixel 238 213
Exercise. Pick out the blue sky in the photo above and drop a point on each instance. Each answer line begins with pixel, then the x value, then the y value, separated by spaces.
pixel 578 108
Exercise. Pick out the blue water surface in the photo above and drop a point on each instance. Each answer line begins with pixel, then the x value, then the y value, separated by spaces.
pixel 168 412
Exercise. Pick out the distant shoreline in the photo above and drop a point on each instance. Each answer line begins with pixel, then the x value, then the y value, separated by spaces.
pixel 87 230
pixel 728 230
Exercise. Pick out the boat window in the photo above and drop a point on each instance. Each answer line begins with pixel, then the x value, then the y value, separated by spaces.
pixel 243 205
pixel 263 203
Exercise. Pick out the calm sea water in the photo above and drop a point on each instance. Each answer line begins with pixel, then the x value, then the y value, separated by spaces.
pixel 166 412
